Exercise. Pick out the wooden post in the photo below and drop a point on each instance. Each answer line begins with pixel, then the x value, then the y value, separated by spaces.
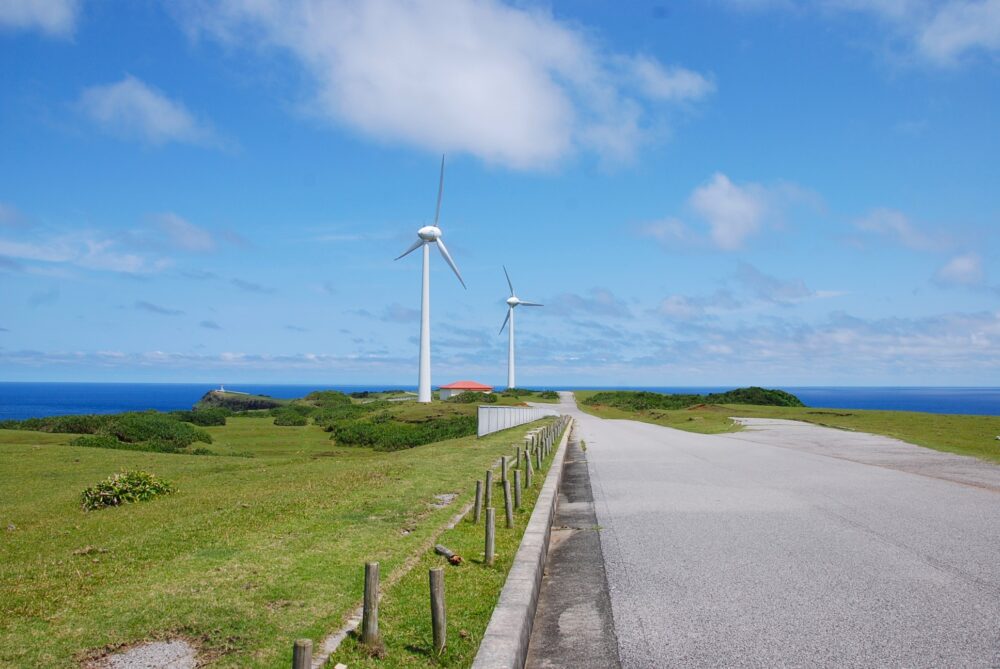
pixel 517 489
pixel 369 614
pixel 491 519
pixel 538 460
pixel 477 509
pixel 508 508
pixel 488 493
pixel 302 654
pixel 438 617
pixel 519 463
pixel 527 473
pixel 503 468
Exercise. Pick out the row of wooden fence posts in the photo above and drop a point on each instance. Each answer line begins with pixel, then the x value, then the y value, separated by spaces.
pixel 538 443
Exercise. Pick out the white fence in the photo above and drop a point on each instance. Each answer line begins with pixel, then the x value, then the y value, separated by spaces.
pixel 493 419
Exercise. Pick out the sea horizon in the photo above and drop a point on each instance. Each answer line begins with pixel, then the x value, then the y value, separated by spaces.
pixel 32 399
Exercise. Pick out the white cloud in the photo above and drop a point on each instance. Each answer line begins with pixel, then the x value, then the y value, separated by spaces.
pixel 84 250
pixel 897 226
pixel 670 232
pixel 961 27
pixel 10 217
pixel 510 85
pixel 669 83
pixel 733 213
pixel 680 307
pixel 184 235
pixel 597 302
pixel 962 270
pixel 55 17
pixel 133 109
pixel 941 32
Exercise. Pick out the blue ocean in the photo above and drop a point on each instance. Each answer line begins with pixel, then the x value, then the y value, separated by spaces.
pixel 28 400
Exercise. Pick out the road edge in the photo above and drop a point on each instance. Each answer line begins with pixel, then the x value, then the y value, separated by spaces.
pixel 505 642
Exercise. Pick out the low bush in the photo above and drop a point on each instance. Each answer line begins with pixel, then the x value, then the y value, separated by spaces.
pixel 289 418
pixel 470 397
pixel 78 424
pixel 153 445
pixel 325 398
pixel 390 435
pixel 203 417
pixel 124 488
pixel 96 441
pixel 148 427
pixel 549 395
pixel 630 400
pixel 326 417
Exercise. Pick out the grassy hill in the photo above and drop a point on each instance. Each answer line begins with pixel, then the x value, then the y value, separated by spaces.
pixel 259 545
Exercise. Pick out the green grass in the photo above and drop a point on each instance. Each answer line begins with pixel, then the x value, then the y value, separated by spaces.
pixel 965 435
pixel 471 592
pixel 249 553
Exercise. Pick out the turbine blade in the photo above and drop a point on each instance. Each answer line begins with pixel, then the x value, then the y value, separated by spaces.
pixel 416 245
pixel 437 212
pixel 447 256
pixel 529 304
pixel 505 321
pixel 508 281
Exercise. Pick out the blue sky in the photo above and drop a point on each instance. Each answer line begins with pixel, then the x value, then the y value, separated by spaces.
pixel 711 193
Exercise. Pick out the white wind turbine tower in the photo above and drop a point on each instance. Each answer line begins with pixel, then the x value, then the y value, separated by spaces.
pixel 512 302
pixel 427 235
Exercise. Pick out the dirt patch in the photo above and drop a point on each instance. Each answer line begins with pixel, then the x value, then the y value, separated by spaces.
pixel 444 500
pixel 166 654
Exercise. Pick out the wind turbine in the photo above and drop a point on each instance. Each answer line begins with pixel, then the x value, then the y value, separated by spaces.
pixel 427 235
pixel 512 302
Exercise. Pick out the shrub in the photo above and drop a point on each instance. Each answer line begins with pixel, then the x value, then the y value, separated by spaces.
pixel 549 395
pixel 153 445
pixel 470 397
pixel 78 424
pixel 124 488
pixel 96 441
pixel 644 400
pixel 290 418
pixel 326 417
pixel 203 417
pixel 390 435
pixel 151 426
pixel 325 398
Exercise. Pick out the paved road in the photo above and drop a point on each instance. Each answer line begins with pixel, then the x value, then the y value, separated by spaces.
pixel 777 547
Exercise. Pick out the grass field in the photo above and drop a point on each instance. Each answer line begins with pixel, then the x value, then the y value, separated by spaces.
pixel 472 589
pixel 965 435
pixel 250 553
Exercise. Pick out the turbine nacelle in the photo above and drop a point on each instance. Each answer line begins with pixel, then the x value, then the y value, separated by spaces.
pixel 429 233
pixel 513 301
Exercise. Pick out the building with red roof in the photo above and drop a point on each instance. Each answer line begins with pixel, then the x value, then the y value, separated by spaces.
pixel 460 387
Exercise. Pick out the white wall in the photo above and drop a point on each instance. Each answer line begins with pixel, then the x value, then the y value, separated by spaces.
pixel 493 418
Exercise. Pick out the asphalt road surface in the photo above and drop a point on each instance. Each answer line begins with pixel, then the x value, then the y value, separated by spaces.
pixel 790 545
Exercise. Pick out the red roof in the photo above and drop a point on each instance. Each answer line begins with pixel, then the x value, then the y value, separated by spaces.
pixel 466 385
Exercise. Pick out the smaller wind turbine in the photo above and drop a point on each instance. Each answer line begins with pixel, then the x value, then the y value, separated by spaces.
pixel 512 302
pixel 427 235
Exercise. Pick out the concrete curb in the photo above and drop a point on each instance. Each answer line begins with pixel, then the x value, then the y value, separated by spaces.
pixel 505 642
